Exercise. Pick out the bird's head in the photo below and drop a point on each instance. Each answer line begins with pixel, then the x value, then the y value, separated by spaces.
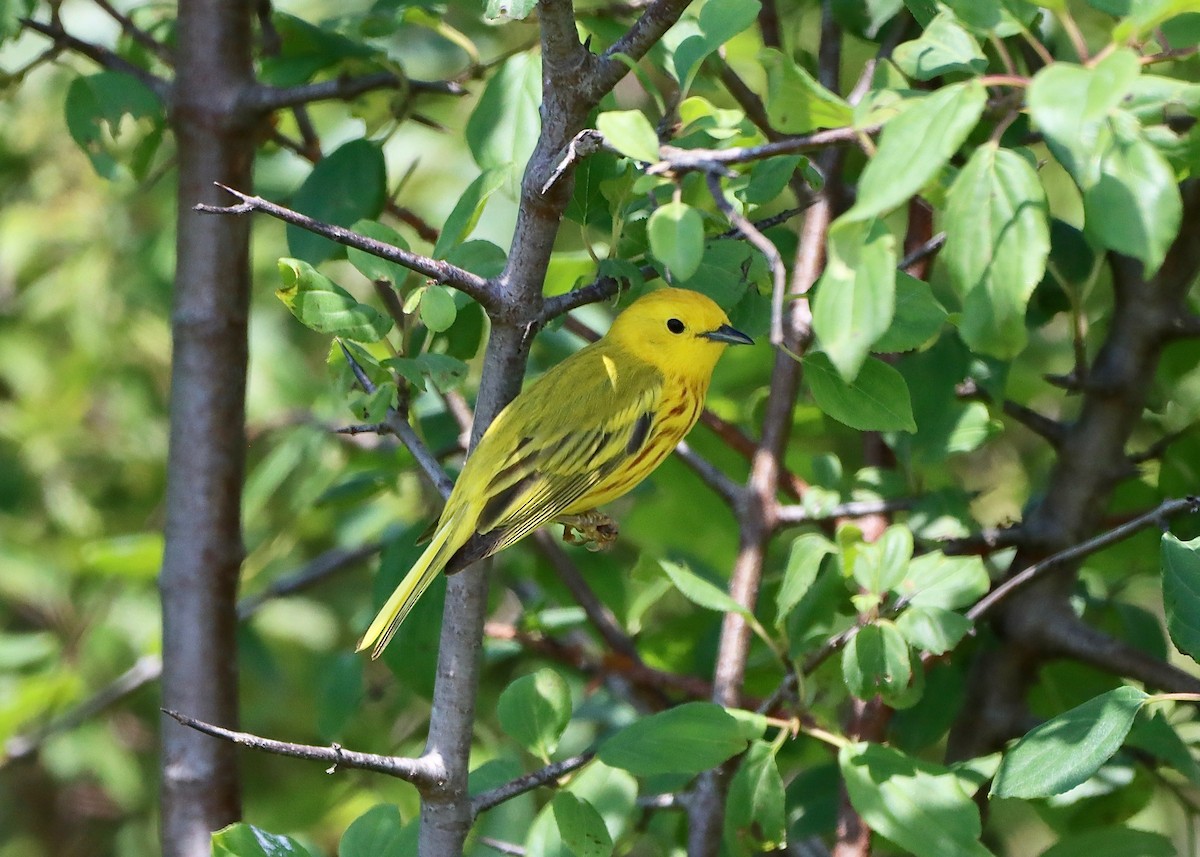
pixel 676 330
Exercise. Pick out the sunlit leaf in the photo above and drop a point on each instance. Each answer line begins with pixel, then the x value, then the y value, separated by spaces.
pixel 921 807
pixel 535 709
pixel 687 739
pixel 1066 750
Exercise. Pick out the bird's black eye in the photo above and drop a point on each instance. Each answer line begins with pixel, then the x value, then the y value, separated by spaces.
pixel 674 325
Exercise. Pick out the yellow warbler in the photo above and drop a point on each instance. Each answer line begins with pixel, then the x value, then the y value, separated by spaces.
pixel 583 434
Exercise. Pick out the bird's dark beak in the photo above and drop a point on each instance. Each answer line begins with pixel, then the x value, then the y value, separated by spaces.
pixel 725 333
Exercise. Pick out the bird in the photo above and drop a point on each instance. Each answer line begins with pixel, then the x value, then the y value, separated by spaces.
pixel 586 432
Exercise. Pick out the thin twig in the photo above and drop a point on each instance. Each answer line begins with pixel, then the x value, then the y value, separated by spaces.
pixel 601 618
pixel 137 33
pixel 726 488
pixel 1158 515
pixel 319 568
pixel 764 245
pixel 676 160
pixel 266 99
pixel 424 773
pixel 798 514
pixel 1159 448
pixel 399 425
pixel 435 269
pixel 494 797
pixel 923 252
pixel 510 848
pixel 103 57
pixel 148 668
pixel 145 670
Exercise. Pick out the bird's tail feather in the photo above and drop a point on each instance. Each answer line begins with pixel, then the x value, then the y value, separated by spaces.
pixel 411 588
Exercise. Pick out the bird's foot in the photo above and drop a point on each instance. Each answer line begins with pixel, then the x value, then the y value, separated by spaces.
pixel 593 528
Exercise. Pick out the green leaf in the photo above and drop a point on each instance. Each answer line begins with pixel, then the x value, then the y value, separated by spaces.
pixel 1003 19
pixel 338 692
pixel 754 808
pixel 535 709
pixel 1145 15
pixel 699 591
pixel 1065 751
pixel 1154 733
pixel 505 124
pixel 923 10
pixel 378 832
pixel 371 266
pixel 997 242
pixel 22 651
pixel 444 371
pixel 726 270
pixel 326 307
pixel 915 146
pixel 467 211
pixel 948 582
pixel 880 566
pixel 512 10
pixel 676 233
pixel 479 257
pixel 1125 841
pixel 1181 592
pixel 865 18
pixel 921 807
pixel 796 102
pixel 133 556
pixel 306 49
pixel 718 23
pixel 878 399
pixel 437 308
pixel 804 562
pixel 246 840
pixel 1070 103
pixel 95 106
pixel 630 133
pixel 11 13
pixel 943 47
pixel 687 739
pixel 917 318
pixel 347 185
pixel 933 629
pixel 876 661
pixel 1133 206
pixel 580 826
pixel 769 178
pixel 856 294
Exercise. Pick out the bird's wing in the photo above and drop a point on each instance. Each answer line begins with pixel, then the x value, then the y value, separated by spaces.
pixel 578 427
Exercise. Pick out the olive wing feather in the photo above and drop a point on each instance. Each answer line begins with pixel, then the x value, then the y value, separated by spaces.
pixel 600 418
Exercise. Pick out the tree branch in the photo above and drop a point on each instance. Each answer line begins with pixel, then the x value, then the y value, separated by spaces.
pixel 425 773
pixel 265 99
pixel 441 272
pixel 1156 516
pixel 494 797
pixel 676 160
pixel 654 22
pixel 137 33
pixel 786 516
pixel 148 668
pixel 764 246
pixel 725 488
pixel 602 619
pixel 103 57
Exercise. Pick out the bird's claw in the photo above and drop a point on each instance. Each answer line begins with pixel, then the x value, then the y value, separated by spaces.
pixel 596 530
